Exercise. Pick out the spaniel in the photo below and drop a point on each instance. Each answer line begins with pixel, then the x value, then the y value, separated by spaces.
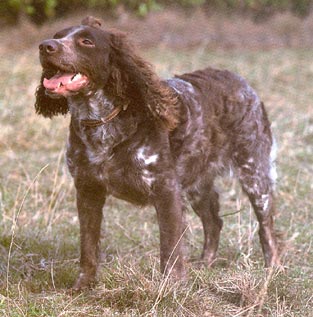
pixel 154 142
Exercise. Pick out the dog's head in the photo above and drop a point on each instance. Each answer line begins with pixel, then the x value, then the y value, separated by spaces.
pixel 84 58
pixel 75 58
pixel 70 61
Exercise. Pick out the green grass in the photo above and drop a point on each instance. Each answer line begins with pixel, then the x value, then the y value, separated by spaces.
pixel 39 233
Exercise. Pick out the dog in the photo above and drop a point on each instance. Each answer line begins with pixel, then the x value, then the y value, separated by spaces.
pixel 154 142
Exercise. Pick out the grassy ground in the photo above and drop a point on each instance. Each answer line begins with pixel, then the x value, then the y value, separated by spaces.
pixel 39 234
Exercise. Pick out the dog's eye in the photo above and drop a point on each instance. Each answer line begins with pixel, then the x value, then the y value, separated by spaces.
pixel 87 42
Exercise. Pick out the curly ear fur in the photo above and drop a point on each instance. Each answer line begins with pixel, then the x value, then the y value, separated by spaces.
pixel 45 105
pixel 132 77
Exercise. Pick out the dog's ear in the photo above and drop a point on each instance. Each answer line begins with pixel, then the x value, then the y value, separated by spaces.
pixel 47 106
pixel 92 21
pixel 133 77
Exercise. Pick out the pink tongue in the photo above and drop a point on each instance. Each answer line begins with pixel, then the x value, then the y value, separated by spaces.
pixel 62 83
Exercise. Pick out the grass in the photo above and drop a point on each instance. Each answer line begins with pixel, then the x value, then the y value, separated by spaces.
pixel 39 240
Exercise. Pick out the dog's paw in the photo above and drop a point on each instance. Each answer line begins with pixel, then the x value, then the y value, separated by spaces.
pixel 83 282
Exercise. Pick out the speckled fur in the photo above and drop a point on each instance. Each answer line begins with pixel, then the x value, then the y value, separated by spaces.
pixel 173 139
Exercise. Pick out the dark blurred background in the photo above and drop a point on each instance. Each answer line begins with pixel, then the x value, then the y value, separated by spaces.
pixel 178 24
pixel 39 11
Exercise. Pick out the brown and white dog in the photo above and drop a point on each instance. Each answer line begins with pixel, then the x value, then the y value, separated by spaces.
pixel 152 141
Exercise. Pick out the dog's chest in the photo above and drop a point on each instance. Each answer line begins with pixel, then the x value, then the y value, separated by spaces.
pixel 129 174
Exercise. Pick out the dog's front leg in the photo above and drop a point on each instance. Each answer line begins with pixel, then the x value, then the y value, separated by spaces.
pixel 168 205
pixel 90 201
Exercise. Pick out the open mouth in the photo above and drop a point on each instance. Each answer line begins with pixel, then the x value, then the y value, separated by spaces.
pixel 65 84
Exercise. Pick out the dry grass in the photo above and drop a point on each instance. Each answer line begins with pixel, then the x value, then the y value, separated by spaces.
pixel 39 226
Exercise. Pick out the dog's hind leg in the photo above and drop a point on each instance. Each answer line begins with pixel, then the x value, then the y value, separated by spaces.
pixel 205 202
pixel 257 182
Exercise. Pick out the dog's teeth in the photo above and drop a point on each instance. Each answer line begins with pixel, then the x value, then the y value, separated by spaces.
pixel 76 76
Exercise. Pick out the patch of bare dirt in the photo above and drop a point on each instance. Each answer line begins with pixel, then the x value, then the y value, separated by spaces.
pixel 178 29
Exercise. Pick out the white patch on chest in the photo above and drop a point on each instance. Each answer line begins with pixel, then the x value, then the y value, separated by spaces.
pixel 146 159
pixel 147 177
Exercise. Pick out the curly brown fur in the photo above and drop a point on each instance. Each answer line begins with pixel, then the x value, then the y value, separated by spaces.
pixel 133 77
pixel 45 105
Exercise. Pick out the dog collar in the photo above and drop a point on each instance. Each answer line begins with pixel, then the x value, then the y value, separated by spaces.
pixel 92 123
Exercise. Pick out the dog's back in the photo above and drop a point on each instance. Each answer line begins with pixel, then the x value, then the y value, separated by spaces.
pixel 223 125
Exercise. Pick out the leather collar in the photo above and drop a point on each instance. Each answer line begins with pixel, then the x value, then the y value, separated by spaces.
pixel 92 123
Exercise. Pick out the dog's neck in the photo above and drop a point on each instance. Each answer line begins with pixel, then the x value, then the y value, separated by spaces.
pixel 90 107
pixel 101 139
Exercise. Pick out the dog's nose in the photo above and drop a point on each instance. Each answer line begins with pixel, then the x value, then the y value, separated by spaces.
pixel 49 47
